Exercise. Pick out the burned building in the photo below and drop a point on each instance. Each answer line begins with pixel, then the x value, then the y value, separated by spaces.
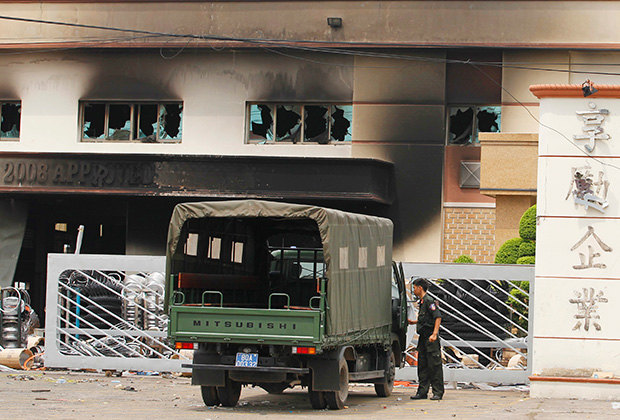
pixel 113 112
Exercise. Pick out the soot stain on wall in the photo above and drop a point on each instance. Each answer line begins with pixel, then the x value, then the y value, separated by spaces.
pixel 310 83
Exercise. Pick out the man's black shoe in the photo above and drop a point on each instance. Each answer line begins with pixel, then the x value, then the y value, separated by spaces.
pixel 436 398
pixel 418 397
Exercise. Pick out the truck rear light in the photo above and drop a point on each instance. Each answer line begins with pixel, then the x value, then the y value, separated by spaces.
pixel 184 346
pixel 304 350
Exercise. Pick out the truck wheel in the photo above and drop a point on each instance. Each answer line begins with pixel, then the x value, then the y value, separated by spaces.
pixel 317 398
pixel 384 389
pixel 229 393
pixel 209 395
pixel 336 399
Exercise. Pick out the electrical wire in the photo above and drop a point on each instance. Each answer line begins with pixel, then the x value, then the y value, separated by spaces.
pixel 545 125
pixel 295 44
pixel 265 44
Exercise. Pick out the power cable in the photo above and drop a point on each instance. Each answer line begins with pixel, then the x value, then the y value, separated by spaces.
pixel 294 44
pixel 544 125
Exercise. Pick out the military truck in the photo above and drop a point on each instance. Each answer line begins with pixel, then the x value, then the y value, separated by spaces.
pixel 277 295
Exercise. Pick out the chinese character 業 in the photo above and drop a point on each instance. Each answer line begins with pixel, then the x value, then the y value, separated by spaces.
pixel 586 308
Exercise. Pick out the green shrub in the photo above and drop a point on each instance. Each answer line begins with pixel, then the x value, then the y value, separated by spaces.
pixel 527 248
pixel 508 253
pixel 529 259
pixel 519 301
pixel 527 224
pixel 465 259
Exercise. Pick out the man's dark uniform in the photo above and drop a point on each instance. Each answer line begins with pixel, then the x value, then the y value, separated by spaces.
pixel 430 371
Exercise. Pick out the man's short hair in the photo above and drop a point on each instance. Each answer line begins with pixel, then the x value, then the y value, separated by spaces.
pixel 422 282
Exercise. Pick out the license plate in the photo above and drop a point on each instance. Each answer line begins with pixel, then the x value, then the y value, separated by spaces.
pixel 247 359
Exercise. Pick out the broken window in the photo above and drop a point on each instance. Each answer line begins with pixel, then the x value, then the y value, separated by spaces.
pixel 465 122
pixel 295 123
pixel 10 117
pixel 142 122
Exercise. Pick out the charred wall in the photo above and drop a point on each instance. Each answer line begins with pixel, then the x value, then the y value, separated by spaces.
pixel 399 114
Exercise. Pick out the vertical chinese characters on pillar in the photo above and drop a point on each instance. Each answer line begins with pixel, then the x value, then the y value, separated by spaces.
pixel 592 119
pixel 587 190
pixel 591 254
pixel 587 304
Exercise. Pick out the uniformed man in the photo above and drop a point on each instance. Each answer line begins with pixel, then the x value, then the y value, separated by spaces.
pixel 430 370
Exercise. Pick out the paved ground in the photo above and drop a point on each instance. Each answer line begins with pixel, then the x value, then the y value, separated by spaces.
pixel 72 396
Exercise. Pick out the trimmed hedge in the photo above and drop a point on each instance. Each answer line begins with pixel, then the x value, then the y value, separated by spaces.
pixel 527 249
pixel 465 259
pixel 527 224
pixel 509 252
pixel 530 259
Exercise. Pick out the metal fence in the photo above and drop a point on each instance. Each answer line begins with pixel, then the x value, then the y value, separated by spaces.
pixel 486 321
pixel 106 312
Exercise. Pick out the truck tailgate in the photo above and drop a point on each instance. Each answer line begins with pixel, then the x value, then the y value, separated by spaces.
pixel 240 325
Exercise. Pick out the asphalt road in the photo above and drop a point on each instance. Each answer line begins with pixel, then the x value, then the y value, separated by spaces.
pixel 77 395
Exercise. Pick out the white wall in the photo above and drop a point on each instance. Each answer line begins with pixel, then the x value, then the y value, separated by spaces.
pixel 214 88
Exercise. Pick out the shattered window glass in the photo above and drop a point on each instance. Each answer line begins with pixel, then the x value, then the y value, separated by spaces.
pixel 465 122
pixel 141 122
pixel 341 115
pixel 461 125
pixel 261 122
pixel 147 123
pixel 316 123
pixel 94 121
pixel 119 122
pixel 292 123
pixel 288 123
pixel 488 119
pixel 10 116
pixel 170 116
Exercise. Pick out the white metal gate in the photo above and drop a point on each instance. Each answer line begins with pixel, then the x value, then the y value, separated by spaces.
pixel 106 312
pixel 482 320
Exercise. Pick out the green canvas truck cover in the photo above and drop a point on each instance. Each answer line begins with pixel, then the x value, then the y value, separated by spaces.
pixel 357 251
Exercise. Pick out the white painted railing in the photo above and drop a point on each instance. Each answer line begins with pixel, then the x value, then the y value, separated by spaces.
pixel 106 312
pixel 479 324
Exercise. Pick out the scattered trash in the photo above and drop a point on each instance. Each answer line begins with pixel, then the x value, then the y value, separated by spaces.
pixel 40 390
pixel 61 381
pixel 22 377
pixel 16 358
pixel 615 405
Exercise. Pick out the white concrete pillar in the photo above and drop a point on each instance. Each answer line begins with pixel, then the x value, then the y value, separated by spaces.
pixel 576 345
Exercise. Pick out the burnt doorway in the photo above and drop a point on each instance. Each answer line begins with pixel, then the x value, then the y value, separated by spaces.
pixel 52 227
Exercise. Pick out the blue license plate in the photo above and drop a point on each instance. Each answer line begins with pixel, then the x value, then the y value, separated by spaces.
pixel 247 359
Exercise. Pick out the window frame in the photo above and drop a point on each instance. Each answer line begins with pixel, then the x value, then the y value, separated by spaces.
pixel 134 120
pixel 274 106
pixel 474 132
pixel 13 102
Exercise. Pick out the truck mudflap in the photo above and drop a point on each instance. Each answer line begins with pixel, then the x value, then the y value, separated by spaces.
pixel 245 326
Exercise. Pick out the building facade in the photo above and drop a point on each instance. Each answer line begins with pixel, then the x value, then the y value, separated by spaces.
pixel 114 111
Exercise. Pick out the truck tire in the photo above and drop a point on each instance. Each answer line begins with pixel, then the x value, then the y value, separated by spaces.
pixel 229 393
pixel 209 395
pixel 336 400
pixel 384 389
pixel 317 398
